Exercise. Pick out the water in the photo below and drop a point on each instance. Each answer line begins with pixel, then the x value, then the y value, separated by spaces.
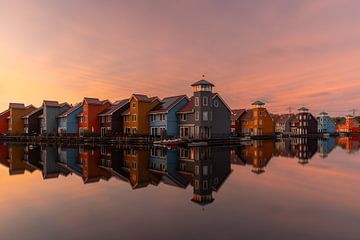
pixel 298 189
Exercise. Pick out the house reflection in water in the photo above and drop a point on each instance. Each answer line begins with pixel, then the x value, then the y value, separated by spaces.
pixel 350 144
pixel 112 159
pixel 89 160
pixel 15 159
pixel 257 154
pixel 68 157
pixel 325 146
pixel 304 149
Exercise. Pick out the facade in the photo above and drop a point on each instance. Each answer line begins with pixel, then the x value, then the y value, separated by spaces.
pixel 15 121
pixel 89 122
pixel 304 123
pixel 206 115
pixel 32 122
pixel 257 121
pixel 4 122
pixel 350 125
pixel 283 123
pixel 68 121
pixel 235 120
pixel 51 110
pixel 111 119
pixel 136 119
pixel 325 123
pixel 163 119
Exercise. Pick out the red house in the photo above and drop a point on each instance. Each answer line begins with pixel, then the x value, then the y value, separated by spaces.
pixel 88 119
pixel 4 122
pixel 350 125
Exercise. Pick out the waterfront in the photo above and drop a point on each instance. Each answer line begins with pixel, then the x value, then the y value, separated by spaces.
pixel 293 189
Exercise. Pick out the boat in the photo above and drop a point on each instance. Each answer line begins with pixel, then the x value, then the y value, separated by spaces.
pixel 171 142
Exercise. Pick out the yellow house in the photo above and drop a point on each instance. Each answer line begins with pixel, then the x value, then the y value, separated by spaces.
pixel 16 123
pixel 136 118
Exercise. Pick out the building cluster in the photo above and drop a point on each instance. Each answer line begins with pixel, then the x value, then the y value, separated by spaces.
pixel 202 116
pixel 259 122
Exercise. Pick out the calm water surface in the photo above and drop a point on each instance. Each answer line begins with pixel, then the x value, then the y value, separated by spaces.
pixel 293 189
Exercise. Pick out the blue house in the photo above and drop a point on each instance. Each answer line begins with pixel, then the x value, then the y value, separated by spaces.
pixel 325 123
pixel 68 121
pixel 69 158
pixel 163 119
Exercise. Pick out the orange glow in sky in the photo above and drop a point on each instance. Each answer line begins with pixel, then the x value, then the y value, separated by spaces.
pixel 287 53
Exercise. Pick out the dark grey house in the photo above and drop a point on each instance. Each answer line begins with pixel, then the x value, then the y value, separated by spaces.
pixel 206 115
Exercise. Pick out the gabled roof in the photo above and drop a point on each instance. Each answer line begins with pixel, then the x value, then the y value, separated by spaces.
pixel 248 115
pixel 5 112
pixel 33 112
pixel 17 105
pixel 116 106
pixel 283 118
pixel 70 110
pixel 222 100
pixel 95 101
pixel 144 98
pixel 236 113
pixel 187 108
pixel 167 104
pixel 48 103
pixel 323 113
pixel 202 82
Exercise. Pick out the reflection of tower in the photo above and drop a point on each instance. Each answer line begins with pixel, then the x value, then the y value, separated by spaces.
pixel 203 177
pixel 305 149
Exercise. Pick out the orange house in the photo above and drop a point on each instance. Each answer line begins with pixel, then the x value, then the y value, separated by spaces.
pixel 92 172
pixel 350 125
pixel 4 121
pixel 256 121
pixel 88 119
pixel 136 161
pixel 15 121
pixel 136 118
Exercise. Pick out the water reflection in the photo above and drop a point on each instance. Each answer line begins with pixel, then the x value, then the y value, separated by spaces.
pixel 204 169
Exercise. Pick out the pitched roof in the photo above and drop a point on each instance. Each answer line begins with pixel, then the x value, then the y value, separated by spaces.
pixel 236 113
pixel 4 112
pixel 248 115
pixel 126 112
pixel 283 118
pixel 167 103
pixel 144 98
pixel 116 106
pixel 17 105
pixel 214 95
pixel 51 103
pixel 33 112
pixel 92 100
pixel 260 103
pixel 303 109
pixel 70 110
pixel 189 107
pixel 202 82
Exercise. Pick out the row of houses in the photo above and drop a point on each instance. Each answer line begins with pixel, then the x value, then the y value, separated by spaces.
pixel 204 115
pixel 201 116
pixel 258 122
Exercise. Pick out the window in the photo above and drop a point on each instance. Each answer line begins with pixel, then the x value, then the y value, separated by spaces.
pixel 260 113
pixel 205 116
pixel 197 170
pixel 162 117
pixel 134 165
pixel 205 101
pixel 196 101
pixel 108 119
pixel 216 103
pixel 134 105
pixel 211 116
pixel 102 119
pixel 183 117
pixel 205 185
pixel 196 184
pixel 126 118
pixel 260 121
pixel 205 170
pixel 133 117
pixel 133 131
pixel 151 118
pixel 197 116
pixel 85 119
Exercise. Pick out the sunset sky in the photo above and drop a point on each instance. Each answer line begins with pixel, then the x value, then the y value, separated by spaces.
pixel 287 53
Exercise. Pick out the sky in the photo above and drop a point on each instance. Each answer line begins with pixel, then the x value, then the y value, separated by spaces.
pixel 286 53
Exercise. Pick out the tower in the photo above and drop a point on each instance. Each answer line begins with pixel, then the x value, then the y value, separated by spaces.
pixel 203 108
